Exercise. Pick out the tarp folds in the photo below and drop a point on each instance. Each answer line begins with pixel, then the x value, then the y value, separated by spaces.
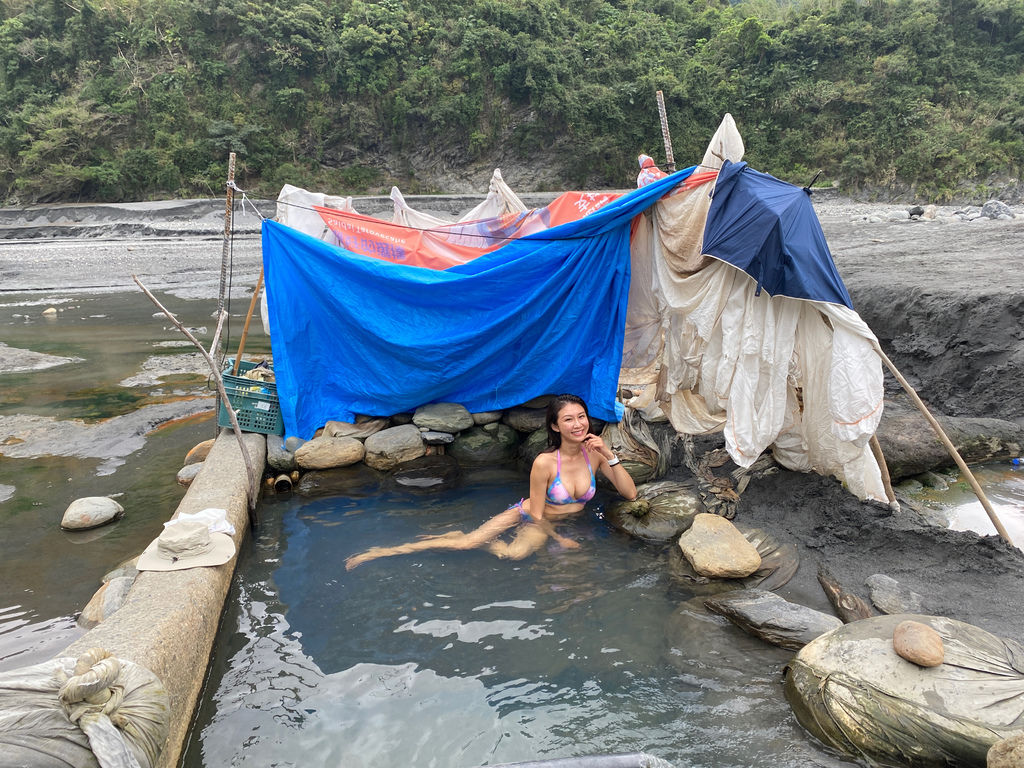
pixel 544 313
pixel 797 375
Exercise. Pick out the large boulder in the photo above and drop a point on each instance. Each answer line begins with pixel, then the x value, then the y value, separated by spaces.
pixel 390 447
pixel 714 547
pixel 489 444
pixel 661 511
pixel 856 694
pixel 442 417
pixel 328 452
pixel 91 512
pixel 911 447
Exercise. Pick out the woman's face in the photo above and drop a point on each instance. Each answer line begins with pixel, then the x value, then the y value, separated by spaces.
pixel 572 422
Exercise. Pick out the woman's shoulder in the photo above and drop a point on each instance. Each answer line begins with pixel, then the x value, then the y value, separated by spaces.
pixel 545 460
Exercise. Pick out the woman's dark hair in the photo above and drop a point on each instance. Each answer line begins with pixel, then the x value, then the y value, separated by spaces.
pixel 554 408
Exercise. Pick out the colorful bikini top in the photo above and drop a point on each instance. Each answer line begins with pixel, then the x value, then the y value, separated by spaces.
pixel 558 495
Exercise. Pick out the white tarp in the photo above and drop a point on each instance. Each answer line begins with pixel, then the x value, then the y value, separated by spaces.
pixel 800 377
pixel 500 200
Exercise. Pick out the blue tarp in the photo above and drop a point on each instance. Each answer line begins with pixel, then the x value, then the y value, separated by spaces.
pixel 540 315
pixel 768 228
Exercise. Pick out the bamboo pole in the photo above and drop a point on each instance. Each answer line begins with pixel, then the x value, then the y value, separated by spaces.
pixel 890 495
pixel 670 160
pixel 250 494
pixel 248 319
pixel 949 447
pixel 229 201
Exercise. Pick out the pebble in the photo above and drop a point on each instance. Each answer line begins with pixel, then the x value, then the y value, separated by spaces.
pixel 918 643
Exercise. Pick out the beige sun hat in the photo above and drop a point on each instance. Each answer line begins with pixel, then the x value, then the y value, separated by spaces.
pixel 187 544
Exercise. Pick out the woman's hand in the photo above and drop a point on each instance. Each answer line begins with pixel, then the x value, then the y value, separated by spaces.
pixel 596 444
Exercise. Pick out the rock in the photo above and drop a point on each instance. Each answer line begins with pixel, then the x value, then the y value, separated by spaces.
pixel 775 620
pixel 481 446
pixel 355 481
pixel 199 452
pixel 910 445
pixel 487 417
pixel 532 446
pixel 929 212
pixel 390 447
pixel 278 456
pixel 427 473
pixel 918 643
pixel 523 419
pixel 714 547
pixel 993 209
pixel 107 599
pixel 889 596
pixel 443 417
pixel 540 402
pixel 779 562
pixel 660 512
pixel 50 312
pixel 1007 753
pixel 127 568
pixel 933 480
pixel 915 212
pixel 360 430
pixel 401 418
pixel 292 443
pixel 188 473
pixel 90 512
pixel 328 452
pixel 437 438
pixel 897 216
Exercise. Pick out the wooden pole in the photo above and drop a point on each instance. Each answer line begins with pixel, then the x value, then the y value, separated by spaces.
pixel 949 447
pixel 876 449
pixel 670 161
pixel 248 319
pixel 229 201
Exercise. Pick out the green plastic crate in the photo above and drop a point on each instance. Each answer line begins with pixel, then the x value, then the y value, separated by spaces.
pixel 254 402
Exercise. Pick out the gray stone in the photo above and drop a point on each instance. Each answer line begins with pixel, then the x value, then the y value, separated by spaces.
pixel 107 599
pixel 292 443
pixel 525 419
pixel 487 417
pixel 401 418
pixel 898 216
pixel 715 547
pixel 533 445
pixel 1006 753
pixel 360 430
pixel 933 480
pixel 355 481
pixel 390 447
pixel 328 452
pixel 126 568
pixel 427 473
pixel 540 401
pixel 443 417
pixel 889 596
pixel 993 209
pixel 481 446
pixel 775 620
pixel 91 512
pixel 188 473
pixel 437 438
pixel 278 455
pixel 929 212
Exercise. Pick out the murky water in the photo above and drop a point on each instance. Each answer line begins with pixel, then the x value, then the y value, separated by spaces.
pixel 459 659
pixel 101 399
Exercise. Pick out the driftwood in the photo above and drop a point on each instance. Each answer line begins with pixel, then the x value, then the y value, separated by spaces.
pixel 847 605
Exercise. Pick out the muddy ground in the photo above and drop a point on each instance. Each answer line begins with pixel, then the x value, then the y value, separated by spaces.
pixel 944 296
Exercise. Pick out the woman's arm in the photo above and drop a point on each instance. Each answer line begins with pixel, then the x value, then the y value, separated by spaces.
pixel 610 467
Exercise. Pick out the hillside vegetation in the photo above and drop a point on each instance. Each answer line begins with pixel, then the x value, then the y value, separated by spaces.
pixel 134 99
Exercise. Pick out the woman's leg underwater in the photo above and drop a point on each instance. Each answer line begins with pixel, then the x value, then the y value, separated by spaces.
pixel 454 540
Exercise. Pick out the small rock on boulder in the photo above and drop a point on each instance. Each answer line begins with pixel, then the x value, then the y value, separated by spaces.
pixel 328 452
pixel 393 446
pixel 90 512
pixel 443 417
pixel 918 643
pixel 714 547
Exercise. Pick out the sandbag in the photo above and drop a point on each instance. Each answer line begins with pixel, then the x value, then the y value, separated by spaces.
pixel 661 511
pixel 93 712
pixel 852 691
pixel 779 561
pixel 644 456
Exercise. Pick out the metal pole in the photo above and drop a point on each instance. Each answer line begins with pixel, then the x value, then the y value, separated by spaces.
pixel 670 161
pixel 229 201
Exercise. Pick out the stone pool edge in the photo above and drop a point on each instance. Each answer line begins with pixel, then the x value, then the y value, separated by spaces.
pixel 169 620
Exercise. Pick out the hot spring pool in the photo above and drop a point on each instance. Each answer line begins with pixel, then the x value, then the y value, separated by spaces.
pixel 460 659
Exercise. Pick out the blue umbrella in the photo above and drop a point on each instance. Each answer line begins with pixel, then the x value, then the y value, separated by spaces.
pixel 768 228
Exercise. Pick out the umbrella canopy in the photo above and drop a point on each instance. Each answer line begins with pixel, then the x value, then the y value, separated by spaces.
pixel 768 228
